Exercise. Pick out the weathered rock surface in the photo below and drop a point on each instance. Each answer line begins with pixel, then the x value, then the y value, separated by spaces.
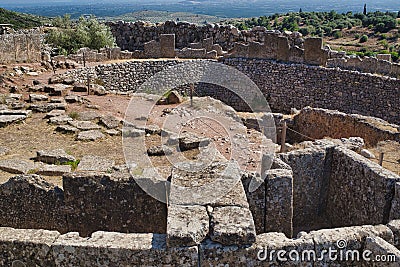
pixel 186 225
pixel 72 99
pixel 54 156
pixel 67 129
pixel 188 142
pixel 52 170
pixel 84 125
pixel 366 153
pixel 59 120
pixel 37 98
pixel 32 202
pixel 110 122
pixel 27 246
pixel 113 132
pixel 132 132
pixel 54 113
pixel 16 166
pixel 91 135
pixel 159 150
pixel 47 107
pixel 116 192
pixel 88 115
pixel 95 163
pixel 232 226
pixel 9 119
pixel 121 250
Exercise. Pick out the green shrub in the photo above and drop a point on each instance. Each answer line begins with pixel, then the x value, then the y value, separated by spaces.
pixel 337 34
pixel 69 36
pixel 363 38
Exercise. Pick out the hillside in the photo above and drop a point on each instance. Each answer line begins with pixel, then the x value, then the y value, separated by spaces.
pixel 161 16
pixel 362 34
pixel 20 20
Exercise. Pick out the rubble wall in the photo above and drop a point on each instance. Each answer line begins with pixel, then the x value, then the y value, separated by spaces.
pixel 87 203
pixel 285 86
pixel 20 47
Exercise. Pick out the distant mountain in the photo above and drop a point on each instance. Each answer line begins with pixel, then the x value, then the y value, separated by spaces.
pixel 218 8
pixel 162 16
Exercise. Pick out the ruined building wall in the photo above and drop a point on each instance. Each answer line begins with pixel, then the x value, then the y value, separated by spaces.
pixel 20 47
pixel 318 123
pixel 360 191
pixel 87 203
pixel 133 36
pixel 285 86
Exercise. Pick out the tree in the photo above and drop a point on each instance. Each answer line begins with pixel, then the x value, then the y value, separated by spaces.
pixel 69 36
pixel 365 9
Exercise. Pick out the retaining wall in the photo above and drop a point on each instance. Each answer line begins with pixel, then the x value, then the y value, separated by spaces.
pixel 285 86
pixel 21 47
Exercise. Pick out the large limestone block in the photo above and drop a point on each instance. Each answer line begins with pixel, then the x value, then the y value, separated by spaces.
pixel 119 249
pixel 232 226
pixel 186 225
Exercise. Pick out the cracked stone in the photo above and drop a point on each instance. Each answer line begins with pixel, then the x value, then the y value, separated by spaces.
pixel 62 119
pixel 84 125
pixel 110 122
pixel 91 135
pixel 95 163
pixel 232 226
pixel 67 129
pixel 186 225
pixel 16 166
pixel 54 156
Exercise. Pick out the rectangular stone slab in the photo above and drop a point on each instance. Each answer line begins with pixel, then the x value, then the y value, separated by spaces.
pixel 186 225
pixel 118 249
pixel 207 185
pixel 232 226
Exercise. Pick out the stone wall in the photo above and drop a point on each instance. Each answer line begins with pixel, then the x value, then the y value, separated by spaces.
pixel 360 191
pixel 318 123
pixel 367 65
pixel 21 47
pixel 49 248
pixel 285 86
pixel 87 203
pixel 309 167
pixel 133 36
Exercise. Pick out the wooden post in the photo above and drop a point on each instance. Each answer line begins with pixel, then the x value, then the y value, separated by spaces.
pixel 84 59
pixel 88 83
pixel 52 65
pixel 283 138
pixel 191 94
pixel 381 155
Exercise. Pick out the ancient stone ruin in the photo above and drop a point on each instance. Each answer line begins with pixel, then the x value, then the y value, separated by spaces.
pixel 324 188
